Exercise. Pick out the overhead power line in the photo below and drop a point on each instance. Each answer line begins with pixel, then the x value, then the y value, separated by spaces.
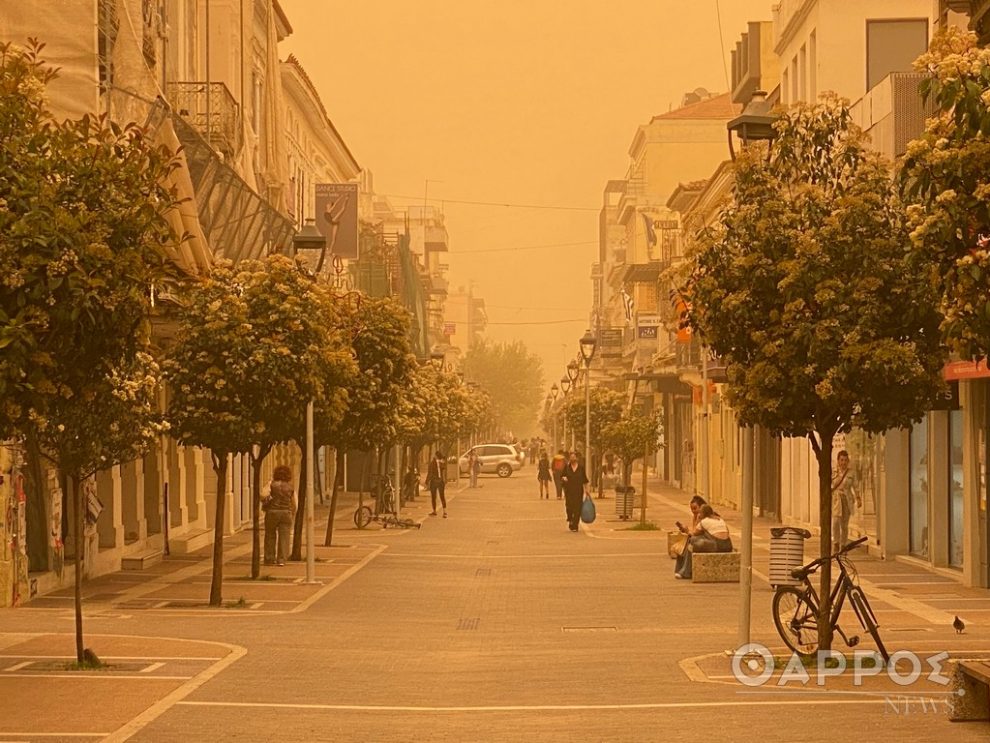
pixel 523 247
pixel 558 207
pixel 541 322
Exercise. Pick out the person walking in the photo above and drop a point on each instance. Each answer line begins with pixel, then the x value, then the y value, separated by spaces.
pixel 843 494
pixel 557 468
pixel 575 484
pixel 436 478
pixel 280 510
pixel 543 475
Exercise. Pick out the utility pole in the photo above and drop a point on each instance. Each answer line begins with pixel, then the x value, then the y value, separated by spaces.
pixel 746 548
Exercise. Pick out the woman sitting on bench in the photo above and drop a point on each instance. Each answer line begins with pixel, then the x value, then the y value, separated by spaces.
pixel 710 535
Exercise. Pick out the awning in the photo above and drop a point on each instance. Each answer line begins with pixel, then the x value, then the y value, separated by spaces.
pixel 965 370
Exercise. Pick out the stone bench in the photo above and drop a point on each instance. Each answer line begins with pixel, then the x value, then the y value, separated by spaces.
pixel 971 682
pixel 141 560
pixel 715 567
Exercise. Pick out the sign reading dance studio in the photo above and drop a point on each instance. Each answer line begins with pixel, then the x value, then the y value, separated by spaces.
pixel 337 217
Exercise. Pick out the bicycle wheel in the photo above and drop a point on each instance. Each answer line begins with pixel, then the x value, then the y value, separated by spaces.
pixel 867 618
pixel 796 618
pixel 362 517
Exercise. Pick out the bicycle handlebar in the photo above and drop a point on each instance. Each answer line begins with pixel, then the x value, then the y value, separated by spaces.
pixel 811 567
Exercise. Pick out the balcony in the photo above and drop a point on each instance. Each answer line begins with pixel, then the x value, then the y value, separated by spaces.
pixel 754 66
pixel 212 111
pixel 893 113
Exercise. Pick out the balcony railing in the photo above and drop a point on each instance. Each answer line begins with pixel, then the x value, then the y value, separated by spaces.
pixel 211 110
pixel 893 112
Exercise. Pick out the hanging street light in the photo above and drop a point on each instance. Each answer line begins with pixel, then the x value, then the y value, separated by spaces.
pixel 587 344
pixel 754 124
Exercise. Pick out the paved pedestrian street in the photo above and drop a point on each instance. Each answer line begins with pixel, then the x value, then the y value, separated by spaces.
pixel 496 624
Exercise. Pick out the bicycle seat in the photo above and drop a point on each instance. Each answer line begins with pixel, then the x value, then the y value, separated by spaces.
pixel 799 573
pixel 779 531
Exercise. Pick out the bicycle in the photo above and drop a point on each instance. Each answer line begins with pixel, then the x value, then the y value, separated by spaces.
pixel 384 511
pixel 795 609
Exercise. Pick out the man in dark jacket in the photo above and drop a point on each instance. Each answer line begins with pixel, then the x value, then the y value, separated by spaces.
pixel 436 479
pixel 575 484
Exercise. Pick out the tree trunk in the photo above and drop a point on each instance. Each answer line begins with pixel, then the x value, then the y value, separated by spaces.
pixel 216 584
pixel 642 496
pixel 338 455
pixel 823 453
pixel 256 464
pixel 297 525
pixel 77 540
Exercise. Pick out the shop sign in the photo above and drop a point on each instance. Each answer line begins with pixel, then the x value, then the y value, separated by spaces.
pixel 948 399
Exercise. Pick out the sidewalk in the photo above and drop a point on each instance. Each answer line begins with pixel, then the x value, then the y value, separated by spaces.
pixel 909 600
pixel 181 583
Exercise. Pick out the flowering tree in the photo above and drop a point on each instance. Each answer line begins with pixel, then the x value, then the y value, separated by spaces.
pixel 606 407
pixel 297 355
pixel 945 179
pixel 83 236
pixel 633 436
pixel 806 290
pixel 379 335
pixel 207 371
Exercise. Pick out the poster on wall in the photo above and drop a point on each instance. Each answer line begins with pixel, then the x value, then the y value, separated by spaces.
pixel 55 525
pixel 337 218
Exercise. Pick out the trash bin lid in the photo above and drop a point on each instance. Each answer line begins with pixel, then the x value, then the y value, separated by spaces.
pixel 780 531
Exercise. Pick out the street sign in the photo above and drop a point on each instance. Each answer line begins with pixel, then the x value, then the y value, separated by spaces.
pixel 610 342
pixel 649 332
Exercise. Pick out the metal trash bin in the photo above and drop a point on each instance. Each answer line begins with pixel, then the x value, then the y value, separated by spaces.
pixel 786 554
pixel 624 497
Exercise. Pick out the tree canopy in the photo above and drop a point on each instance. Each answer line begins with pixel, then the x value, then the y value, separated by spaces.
pixel 513 376
pixel 945 179
pixel 806 290
pixel 84 236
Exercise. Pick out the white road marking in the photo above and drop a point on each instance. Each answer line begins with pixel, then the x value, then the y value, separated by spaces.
pixel 521 707
pixel 152 667
pixel 19 666
pixel 340 579
pixel 119 657
pixel 406 556
pixel 125 732
pixel 4 736
pixel 73 675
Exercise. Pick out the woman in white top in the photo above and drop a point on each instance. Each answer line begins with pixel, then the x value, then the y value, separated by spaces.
pixel 710 535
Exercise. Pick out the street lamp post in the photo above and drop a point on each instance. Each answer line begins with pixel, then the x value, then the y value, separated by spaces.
pixel 573 372
pixel 554 391
pixel 588 344
pixel 310 238
pixel 754 124
pixel 565 387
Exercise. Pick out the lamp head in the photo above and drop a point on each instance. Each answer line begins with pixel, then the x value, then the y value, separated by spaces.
pixel 588 345
pixel 754 124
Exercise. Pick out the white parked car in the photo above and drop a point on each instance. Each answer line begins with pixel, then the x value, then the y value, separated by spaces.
pixel 497 459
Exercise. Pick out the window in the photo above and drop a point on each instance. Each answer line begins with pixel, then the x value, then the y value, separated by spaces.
pixel 892 46
pixel 803 72
pixel 785 86
pixel 795 93
pixel 813 66
pixel 918 495
pixel 955 557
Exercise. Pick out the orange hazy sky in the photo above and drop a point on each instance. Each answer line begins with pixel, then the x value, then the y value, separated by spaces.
pixel 510 101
